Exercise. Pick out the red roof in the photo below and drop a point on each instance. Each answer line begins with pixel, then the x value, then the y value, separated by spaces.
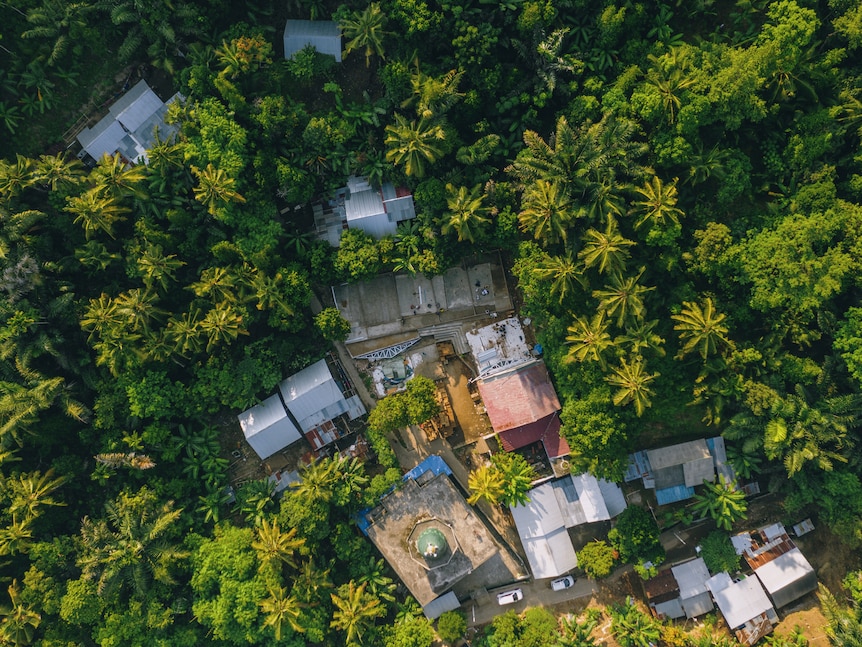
pixel 519 397
pixel 547 430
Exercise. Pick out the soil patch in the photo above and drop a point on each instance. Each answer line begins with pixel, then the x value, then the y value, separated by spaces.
pixel 472 422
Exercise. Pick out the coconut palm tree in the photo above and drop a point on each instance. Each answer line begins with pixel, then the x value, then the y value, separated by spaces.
pixel 317 481
pixel 96 212
pixel 215 188
pixel 15 176
pixel 156 267
pixel 467 214
pixel 29 492
pixel 113 177
pixel 16 537
pixel 701 328
pixel 667 76
pixel 564 272
pixel 485 482
pixel 18 622
pixel 658 206
pixel 589 339
pixel 133 546
pixel 606 250
pixel 623 297
pixel 374 577
pixel 185 333
pixel 434 96
pixel 55 171
pixel 632 380
pixel 721 501
pixel 413 143
pixel 355 611
pixel 222 324
pixel 546 212
pixel 844 627
pixel 137 308
pixel 640 337
pixel 281 610
pixel 218 284
pixel 364 30
pixel 275 547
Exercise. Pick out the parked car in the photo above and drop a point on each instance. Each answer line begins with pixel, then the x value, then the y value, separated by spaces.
pixel 510 597
pixel 563 583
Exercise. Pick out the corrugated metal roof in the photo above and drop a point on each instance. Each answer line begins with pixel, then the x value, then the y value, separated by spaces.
pixel 665 496
pixel 313 396
pixel 551 555
pixel 590 497
pixel 441 605
pixel 742 601
pixel 363 204
pixel 678 454
pixel 519 397
pixel 718 582
pixel 323 35
pixel 615 500
pixel 267 427
pixel 547 430
pixel 102 139
pixel 781 574
pixel 670 609
pixel 698 471
pixel 136 106
pixel 697 605
pixel 691 577
pixel 541 516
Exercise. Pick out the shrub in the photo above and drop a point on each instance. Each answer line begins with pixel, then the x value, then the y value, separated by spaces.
pixel 451 626
pixel 596 559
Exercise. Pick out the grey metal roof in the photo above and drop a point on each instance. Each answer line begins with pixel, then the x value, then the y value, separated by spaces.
pixel 267 427
pixel 615 500
pixel 439 606
pixel 787 577
pixel 323 35
pixel 366 203
pixel 691 578
pixel 678 454
pixel 698 471
pixel 670 609
pixel 136 106
pixel 551 555
pixel 312 396
pixel 697 605
pixel 742 601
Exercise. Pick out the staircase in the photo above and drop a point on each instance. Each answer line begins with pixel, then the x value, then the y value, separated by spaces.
pixel 448 332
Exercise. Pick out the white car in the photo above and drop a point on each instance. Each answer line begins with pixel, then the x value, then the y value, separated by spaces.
pixel 563 583
pixel 510 597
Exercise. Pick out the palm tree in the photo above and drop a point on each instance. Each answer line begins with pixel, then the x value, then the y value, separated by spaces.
pixel 589 339
pixel 102 317
pixel 722 501
pixel 113 177
pixel 701 328
pixel 518 477
pixel 623 297
pixel 55 171
pixel 16 537
pixel 607 250
pixel 185 333
pixel 31 491
pixel 15 177
pixel 364 29
pixel 434 96
pixel 317 481
pixel 281 609
pixel 666 76
pixel 156 267
pixel 214 188
pixel 222 324
pixel 218 284
pixel 310 581
pixel 414 143
pixel 632 627
pixel 642 336
pixel 96 211
pixel 133 546
pixel 275 547
pixel 467 215
pixel 18 622
pixel 658 206
pixel 563 271
pixel 355 611
pixel 577 634
pixel 375 578
pixel 546 212
pixel 485 482
pixel 137 308
pixel 632 381
pixel 844 627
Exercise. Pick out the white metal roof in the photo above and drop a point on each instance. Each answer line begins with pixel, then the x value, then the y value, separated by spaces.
pixel 615 500
pixel 784 570
pixel 438 606
pixel 742 601
pixel 551 555
pixel 741 542
pixel 136 106
pixel 541 516
pixel 691 578
pixel 102 139
pixel 590 497
pixel 313 396
pixel 267 427
pixel 718 582
pixel 774 531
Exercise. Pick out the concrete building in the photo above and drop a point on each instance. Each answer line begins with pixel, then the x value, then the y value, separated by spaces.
pixel 322 35
pixel 747 611
pixel 433 539
pixel 556 506
pixel 131 127
pixel 778 563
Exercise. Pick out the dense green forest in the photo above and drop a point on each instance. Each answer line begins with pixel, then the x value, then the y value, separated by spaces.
pixel 676 185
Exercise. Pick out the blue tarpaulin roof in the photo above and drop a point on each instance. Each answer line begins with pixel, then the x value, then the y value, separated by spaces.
pixel 673 494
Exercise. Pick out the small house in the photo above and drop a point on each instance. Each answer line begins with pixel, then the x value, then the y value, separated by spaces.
pixel 131 127
pixel 267 427
pixel 556 506
pixel 322 35
pixel 680 591
pixel 746 609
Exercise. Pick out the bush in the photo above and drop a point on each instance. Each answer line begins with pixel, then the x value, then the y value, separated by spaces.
pixel 636 537
pixel 596 559
pixel 451 626
pixel 332 325
pixel 718 553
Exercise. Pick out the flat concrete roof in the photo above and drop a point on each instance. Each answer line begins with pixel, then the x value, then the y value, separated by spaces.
pixel 395 519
